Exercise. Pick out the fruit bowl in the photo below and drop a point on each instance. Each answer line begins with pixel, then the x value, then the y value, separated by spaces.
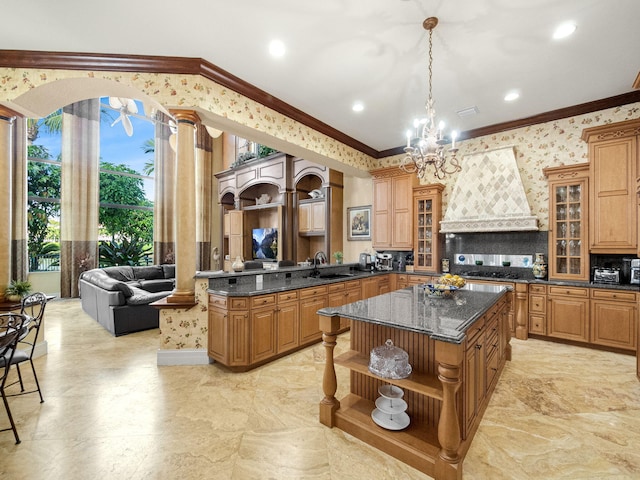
pixel 453 280
pixel 440 290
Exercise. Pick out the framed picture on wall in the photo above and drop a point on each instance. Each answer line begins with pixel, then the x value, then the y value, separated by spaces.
pixel 359 223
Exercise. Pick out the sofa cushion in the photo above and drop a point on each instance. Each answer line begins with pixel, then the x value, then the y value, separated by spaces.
pixel 100 278
pixel 157 285
pixel 169 270
pixel 148 273
pixel 142 297
pixel 124 273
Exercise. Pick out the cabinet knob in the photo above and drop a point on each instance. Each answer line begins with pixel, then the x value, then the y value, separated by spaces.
pixel 478 346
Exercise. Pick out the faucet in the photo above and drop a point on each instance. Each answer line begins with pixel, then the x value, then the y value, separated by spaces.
pixel 319 258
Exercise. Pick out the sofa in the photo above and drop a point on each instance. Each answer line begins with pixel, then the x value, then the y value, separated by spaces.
pixel 119 298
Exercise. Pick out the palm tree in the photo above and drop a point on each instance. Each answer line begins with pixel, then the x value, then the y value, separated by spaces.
pixel 52 124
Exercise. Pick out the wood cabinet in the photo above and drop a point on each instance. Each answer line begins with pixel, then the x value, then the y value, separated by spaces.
pixel 229 329
pixel 614 318
pixel 263 328
pixel 568 222
pixel 288 321
pixel 376 285
pixel 311 300
pixel 613 157
pixel 342 293
pixel 427 208
pixel 311 218
pixel 393 209
pixel 538 309
pixel 568 313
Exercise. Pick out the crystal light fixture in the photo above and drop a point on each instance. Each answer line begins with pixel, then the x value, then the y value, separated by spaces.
pixel 425 143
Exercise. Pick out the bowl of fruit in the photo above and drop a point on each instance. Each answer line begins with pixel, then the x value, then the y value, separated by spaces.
pixel 445 286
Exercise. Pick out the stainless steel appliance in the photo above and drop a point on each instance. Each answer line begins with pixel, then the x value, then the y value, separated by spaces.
pixel 606 275
pixel 635 271
pixel 384 261
pixel 366 261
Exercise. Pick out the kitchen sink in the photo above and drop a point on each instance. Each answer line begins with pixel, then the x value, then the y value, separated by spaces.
pixel 332 276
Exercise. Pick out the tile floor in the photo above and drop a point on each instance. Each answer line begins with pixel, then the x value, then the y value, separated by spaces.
pixel 559 412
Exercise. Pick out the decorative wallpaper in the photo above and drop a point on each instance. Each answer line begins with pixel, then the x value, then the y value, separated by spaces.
pixel 194 91
pixel 536 147
pixel 186 328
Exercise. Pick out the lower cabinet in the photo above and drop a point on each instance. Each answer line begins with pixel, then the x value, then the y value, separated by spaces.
pixel 485 352
pixel 613 318
pixel 288 321
pixel 376 285
pixel 568 314
pixel 593 316
pixel 311 300
pixel 262 333
pixel 538 309
pixel 342 293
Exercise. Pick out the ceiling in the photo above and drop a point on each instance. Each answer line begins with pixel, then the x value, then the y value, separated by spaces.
pixel 373 51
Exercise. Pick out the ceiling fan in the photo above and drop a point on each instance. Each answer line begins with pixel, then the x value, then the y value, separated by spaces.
pixel 126 107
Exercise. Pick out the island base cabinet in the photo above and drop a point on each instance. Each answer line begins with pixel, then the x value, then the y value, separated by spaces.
pixel 447 380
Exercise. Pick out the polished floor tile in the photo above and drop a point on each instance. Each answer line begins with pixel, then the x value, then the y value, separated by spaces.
pixel 559 412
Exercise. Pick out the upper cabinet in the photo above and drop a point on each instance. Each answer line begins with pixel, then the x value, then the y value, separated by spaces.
pixel 568 222
pixel 613 156
pixel 427 209
pixel 393 209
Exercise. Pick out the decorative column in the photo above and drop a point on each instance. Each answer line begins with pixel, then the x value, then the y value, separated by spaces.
pixel 449 358
pixel 19 228
pixel 165 198
pixel 204 174
pixel 185 208
pixel 80 192
pixel 7 119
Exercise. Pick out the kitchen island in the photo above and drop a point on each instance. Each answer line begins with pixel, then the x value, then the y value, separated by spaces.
pixel 457 348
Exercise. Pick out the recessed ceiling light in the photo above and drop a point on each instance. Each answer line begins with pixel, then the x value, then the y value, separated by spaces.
pixel 276 48
pixel 511 96
pixel 564 30
pixel 357 107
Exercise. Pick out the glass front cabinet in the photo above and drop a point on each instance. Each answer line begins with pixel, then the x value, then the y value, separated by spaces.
pixel 568 222
pixel 427 210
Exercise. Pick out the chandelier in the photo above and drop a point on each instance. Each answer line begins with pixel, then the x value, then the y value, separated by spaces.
pixel 425 148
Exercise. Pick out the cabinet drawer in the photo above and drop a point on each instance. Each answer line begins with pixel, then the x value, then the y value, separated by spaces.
pixel 217 301
pixel 263 300
pixel 537 303
pixel 573 291
pixel 539 289
pixel 474 330
pixel 613 295
pixel 238 303
pixel 336 287
pixel 289 296
pixel 352 285
pixel 314 291
pixel 537 324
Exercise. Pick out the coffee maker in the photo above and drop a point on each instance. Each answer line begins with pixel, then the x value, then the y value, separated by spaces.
pixel 635 272
pixel 365 262
pixel 384 261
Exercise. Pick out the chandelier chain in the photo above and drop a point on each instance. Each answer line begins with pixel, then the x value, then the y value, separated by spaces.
pixel 425 148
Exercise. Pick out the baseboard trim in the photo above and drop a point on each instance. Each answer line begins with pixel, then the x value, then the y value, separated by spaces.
pixel 186 356
pixel 42 348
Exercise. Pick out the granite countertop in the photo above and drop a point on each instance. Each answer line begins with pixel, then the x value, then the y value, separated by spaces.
pixel 442 318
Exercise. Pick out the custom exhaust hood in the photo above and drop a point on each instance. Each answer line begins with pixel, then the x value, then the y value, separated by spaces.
pixel 489 196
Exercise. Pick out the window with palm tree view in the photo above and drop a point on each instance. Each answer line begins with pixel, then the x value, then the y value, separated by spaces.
pixel 126 188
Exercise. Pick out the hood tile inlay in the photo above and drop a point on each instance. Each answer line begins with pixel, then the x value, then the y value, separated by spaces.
pixel 489 196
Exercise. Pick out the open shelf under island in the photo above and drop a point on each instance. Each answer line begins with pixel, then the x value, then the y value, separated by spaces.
pixel 457 348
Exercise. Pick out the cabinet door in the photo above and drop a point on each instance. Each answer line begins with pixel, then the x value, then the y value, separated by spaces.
pixel 613 174
pixel 304 217
pixel 402 219
pixel 318 217
pixel 568 317
pixel 382 213
pixel 238 341
pixel 474 379
pixel 288 323
pixel 613 324
pixel 568 255
pixel 310 320
pixel 217 335
pixel 263 333
pixel 369 287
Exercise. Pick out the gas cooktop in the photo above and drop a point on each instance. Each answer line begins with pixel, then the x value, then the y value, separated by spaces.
pixel 478 273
